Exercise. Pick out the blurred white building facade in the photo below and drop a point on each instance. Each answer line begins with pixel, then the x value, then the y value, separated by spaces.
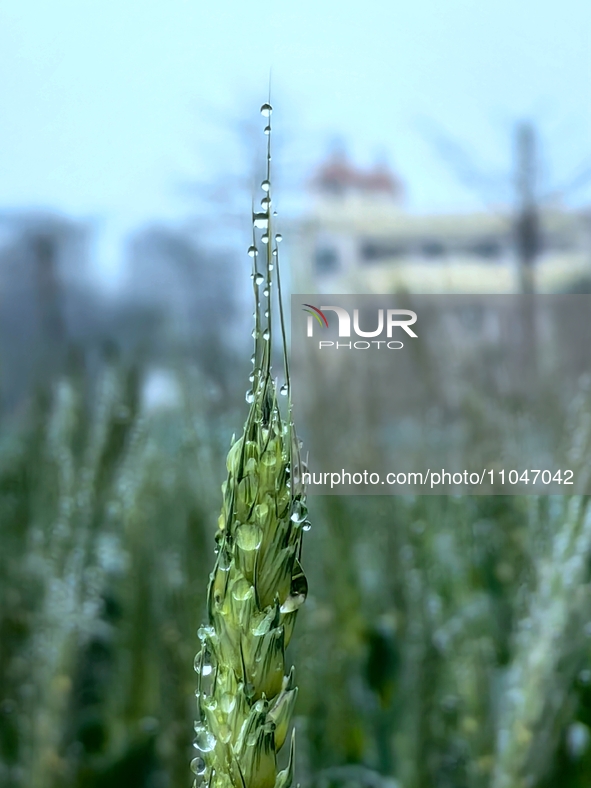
pixel 358 238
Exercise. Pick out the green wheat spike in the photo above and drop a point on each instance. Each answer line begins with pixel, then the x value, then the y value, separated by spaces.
pixel 244 697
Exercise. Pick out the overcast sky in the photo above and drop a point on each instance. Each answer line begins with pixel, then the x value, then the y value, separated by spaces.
pixel 106 107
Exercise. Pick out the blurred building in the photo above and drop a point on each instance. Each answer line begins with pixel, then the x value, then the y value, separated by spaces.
pixel 44 280
pixel 193 292
pixel 168 270
pixel 358 237
pixel 43 258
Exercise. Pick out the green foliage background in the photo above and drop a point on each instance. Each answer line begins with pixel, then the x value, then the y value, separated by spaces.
pixel 446 641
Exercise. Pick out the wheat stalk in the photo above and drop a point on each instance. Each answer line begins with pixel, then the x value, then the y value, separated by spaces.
pixel 244 698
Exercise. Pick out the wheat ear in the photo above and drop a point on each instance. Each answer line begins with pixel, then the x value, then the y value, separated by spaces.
pixel 244 698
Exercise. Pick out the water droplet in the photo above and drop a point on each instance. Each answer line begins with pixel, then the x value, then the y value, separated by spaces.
pixel 265 238
pixel 254 333
pixel 266 334
pixel 249 689
pixel 204 740
pixel 259 279
pixel 307 525
pixel 270 266
pixel 274 213
pixel 274 252
pixel 265 185
pixel 252 250
pixel 267 130
pixel 251 378
pixel 198 765
pixel 249 537
pixel 225 733
pixel 284 390
pixel 260 220
pixel 266 313
pixel 265 202
pixel 250 397
pixel 269 459
pixel 228 702
pixel 224 559
pixel 266 110
pixel 202 663
pixel 210 703
pixel 205 632
pixel 266 292
pixel 279 238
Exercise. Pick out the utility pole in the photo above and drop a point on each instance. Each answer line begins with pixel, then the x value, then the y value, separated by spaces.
pixel 527 246
pixel 527 224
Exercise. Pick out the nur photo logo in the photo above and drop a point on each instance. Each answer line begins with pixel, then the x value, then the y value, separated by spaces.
pixel 387 321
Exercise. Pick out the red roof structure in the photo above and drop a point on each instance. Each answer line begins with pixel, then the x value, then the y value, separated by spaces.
pixel 338 176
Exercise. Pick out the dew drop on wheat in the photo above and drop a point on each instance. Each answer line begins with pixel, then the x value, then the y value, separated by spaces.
pixel 266 334
pixel 266 292
pixel 267 130
pixel 249 689
pixel 250 397
pixel 306 526
pixel 259 278
pixel 204 740
pixel 284 390
pixel 205 632
pixel 265 238
pixel 224 559
pixel 261 220
pixel 210 703
pixel 279 238
pixel 298 516
pixel 252 250
pixel 198 765
pixel 270 266
pixel 254 333
pixel 265 202
pixel 265 185
pixel 227 702
pixel 206 669
pixel 266 110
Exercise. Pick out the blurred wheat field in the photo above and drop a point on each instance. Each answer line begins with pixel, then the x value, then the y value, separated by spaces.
pixel 445 642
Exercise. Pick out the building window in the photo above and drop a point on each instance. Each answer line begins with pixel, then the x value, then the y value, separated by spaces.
pixel 380 251
pixel 326 260
pixel 432 249
pixel 487 248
